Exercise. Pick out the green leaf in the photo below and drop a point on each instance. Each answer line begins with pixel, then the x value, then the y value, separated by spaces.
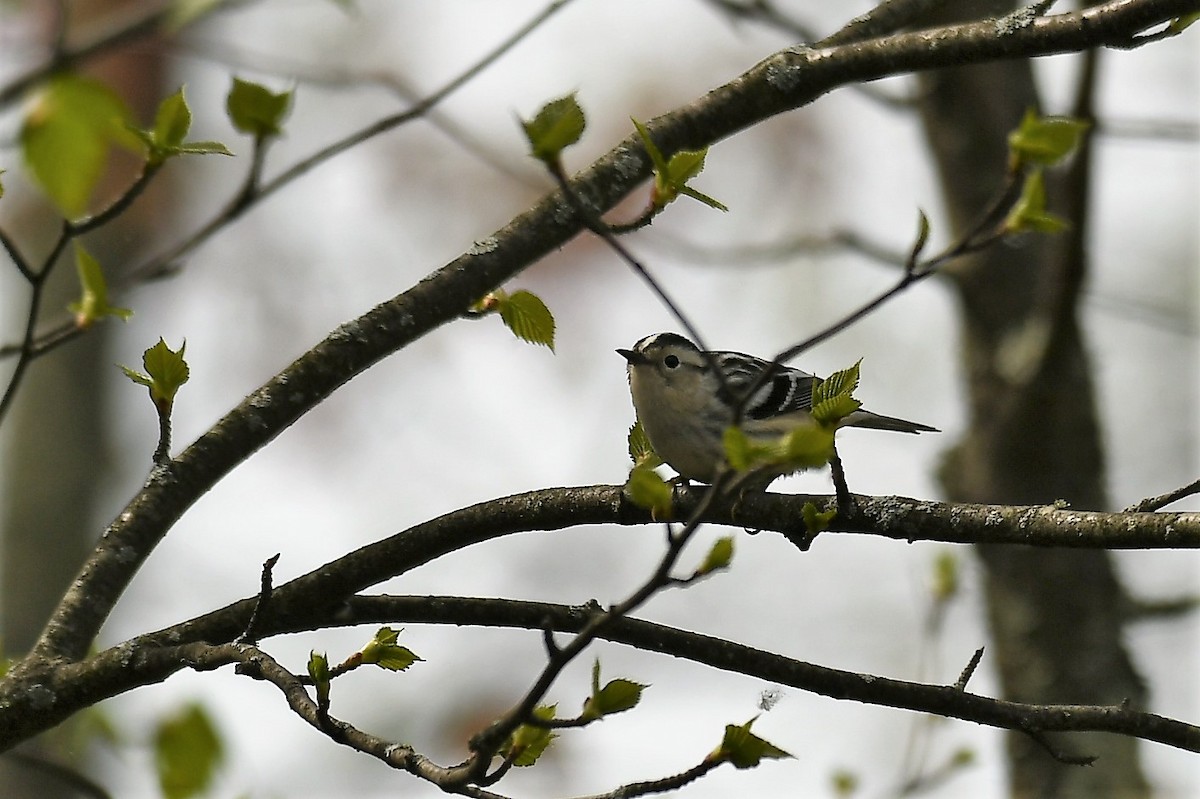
pixel 92 305
pixel 744 749
pixel 1029 213
pixel 524 313
pixel 656 157
pixel 833 398
pixel 816 521
pixel 840 383
pixel 744 454
pixel 719 556
pixel 201 148
pixel 923 231
pixel 256 110
pixel 187 752
pixel 641 451
pixel 832 411
pixel 945 576
pixel 558 125
pixel 648 490
pixel 615 697
pixel 808 446
pixel 1044 141
pixel 66 137
pixel 671 176
pixel 685 165
pixel 2 183
pixel 384 652
pixel 172 121
pixel 166 371
pixel 704 198
pixel 528 742
pixel 318 670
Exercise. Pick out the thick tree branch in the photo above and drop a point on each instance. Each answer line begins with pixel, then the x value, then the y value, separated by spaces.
pixel 325 595
pixel 143 662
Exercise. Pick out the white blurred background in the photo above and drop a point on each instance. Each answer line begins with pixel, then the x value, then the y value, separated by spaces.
pixel 470 413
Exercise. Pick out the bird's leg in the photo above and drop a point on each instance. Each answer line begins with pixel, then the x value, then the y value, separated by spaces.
pixel 845 502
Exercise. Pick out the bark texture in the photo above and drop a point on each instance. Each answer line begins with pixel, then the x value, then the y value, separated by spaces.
pixel 1033 437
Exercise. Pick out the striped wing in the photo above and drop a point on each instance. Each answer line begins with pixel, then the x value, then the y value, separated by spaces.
pixel 785 391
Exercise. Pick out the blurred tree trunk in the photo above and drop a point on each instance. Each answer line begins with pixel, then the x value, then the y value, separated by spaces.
pixel 56 452
pixel 1033 436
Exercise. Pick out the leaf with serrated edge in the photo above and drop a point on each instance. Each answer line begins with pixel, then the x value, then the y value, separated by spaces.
pixel 524 313
pixel 833 410
pixel 841 383
pixel 744 749
pixel 166 371
pixel 641 452
pixel 528 742
pixel 685 165
pixel 558 125
pixel 167 368
pixel 383 651
pixel 201 148
pixel 616 696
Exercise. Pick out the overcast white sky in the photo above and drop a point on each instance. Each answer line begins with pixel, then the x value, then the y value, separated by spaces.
pixel 469 413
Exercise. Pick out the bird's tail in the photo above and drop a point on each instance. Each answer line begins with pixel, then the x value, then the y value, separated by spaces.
pixel 875 421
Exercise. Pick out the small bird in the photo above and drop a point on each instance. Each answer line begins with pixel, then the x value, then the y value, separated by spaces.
pixel 684 408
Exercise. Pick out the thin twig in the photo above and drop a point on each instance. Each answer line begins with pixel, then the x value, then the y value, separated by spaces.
pixel 156 267
pixel 969 670
pixel 253 191
pixel 1162 500
pixel 265 587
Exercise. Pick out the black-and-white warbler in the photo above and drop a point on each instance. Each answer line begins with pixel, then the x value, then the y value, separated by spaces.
pixel 684 407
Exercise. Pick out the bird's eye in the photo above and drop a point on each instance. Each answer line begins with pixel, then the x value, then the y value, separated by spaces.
pixel 671 361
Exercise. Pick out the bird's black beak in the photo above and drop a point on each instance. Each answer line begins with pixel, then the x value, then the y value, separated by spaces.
pixel 633 356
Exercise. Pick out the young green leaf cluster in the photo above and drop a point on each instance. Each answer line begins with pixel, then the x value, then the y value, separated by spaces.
pixel 93 305
pixel 671 175
pixel 172 122
pixel 166 371
pixel 743 748
pixel 522 312
pixel 1039 142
